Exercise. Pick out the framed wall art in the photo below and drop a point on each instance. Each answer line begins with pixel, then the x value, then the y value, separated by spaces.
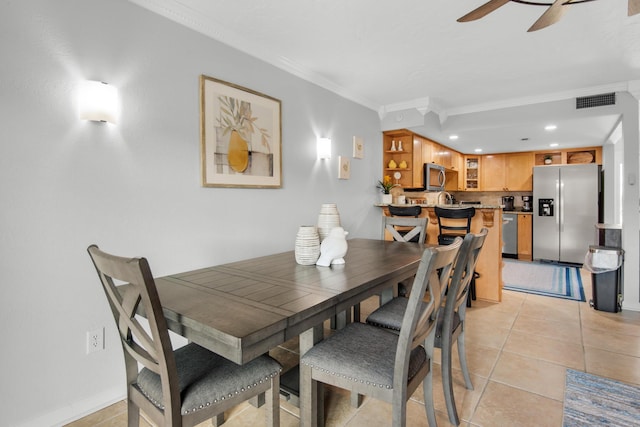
pixel 358 147
pixel 344 167
pixel 240 136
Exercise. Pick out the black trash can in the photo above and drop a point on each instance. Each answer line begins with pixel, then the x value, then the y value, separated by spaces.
pixel 605 264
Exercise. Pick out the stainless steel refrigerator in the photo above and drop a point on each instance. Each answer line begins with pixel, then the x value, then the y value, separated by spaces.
pixel 566 208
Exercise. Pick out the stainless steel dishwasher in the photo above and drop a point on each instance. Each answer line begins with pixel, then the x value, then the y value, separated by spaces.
pixel 509 235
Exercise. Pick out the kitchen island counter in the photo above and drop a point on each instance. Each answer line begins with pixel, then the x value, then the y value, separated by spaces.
pixel 489 266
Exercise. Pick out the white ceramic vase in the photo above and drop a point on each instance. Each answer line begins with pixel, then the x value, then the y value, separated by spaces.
pixel 327 219
pixel 307 249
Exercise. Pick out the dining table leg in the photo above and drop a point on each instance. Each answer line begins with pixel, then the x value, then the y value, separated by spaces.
pixel 311 395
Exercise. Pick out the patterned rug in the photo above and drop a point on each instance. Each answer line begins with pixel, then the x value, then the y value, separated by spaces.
pixel 543 279
pixel 590 400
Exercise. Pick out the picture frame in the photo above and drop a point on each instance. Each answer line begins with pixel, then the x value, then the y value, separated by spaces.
pixel 358 147
pixel 240 136
pixel 344 167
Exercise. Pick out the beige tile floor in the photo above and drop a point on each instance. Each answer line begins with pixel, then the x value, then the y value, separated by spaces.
pixel 518 352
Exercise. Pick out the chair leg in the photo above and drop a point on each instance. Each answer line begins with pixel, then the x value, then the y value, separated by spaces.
pixel 447 385
pixel 133 414
pixel 462 355
pixel 427 388
pixel 273 403
pixel 218 420
pixel 309 407
pixel 356 400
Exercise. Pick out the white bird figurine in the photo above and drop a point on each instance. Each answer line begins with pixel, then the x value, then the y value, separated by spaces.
pixel 333 248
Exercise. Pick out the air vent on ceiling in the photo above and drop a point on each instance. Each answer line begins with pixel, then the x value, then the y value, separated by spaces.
pixel 596 100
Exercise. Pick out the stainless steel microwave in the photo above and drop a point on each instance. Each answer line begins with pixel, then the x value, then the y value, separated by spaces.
pixel 434 177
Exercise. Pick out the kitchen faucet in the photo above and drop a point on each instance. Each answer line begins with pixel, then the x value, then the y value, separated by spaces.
pixel 448 199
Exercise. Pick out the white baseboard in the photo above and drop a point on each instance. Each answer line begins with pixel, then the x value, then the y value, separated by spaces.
pixel 76 410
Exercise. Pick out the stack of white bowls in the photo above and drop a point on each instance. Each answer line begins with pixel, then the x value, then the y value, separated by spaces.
pixel 327 219
pixel 307 248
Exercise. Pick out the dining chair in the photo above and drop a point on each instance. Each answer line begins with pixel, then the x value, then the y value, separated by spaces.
pixel 453 222
pixel 451 320
pixel 407 211
pixel 376 362
pixel 405 229
pixel 175 388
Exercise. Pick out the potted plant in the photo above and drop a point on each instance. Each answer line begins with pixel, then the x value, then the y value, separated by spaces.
pixel 385 185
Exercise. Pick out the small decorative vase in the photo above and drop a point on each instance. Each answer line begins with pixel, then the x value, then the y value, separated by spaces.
pixel 327 219
pixel 393 145
pixel 386 199
pixel 307 249
pixel 400 146
pixel 333 248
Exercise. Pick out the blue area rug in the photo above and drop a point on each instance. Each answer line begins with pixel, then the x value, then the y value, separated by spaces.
pixel 543 279
pixel 590 400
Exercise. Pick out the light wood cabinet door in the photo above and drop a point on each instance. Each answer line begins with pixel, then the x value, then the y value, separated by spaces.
pixel 493 172
pixel 525 232
pixel 519 171
pixel 507 172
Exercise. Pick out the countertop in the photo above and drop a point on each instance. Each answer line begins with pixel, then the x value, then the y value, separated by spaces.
pixel 517 212
pixel 432 205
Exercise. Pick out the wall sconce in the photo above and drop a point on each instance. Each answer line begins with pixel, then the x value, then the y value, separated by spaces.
pixel 324 148
pixel 98 102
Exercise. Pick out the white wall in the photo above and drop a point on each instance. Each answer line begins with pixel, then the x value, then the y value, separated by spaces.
pixel 134 188
pixel 630 199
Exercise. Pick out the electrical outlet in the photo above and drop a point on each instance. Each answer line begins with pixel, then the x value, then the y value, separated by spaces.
pixel 95 340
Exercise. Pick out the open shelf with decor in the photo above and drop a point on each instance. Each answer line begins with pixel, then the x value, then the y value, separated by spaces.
pixel 570 156
pixel 397 158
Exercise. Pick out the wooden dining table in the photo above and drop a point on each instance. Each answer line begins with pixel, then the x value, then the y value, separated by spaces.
pixel 243 309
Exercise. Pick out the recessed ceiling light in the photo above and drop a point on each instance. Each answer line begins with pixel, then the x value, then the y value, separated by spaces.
pixel 453 137
pixel 478 150
pixel 553 144
pixel 550 127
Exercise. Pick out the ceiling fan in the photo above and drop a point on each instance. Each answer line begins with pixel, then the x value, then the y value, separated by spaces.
pixel 552 15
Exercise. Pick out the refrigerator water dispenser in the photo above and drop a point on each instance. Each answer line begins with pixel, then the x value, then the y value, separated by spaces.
pixel 545 207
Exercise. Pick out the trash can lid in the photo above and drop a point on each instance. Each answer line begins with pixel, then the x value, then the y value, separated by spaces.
pixel 605 249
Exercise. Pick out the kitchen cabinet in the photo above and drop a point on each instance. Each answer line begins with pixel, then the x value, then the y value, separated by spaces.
pixel 457 161
pixel 493 172
pixel 525 233
pixel 398 157
pixel 471 174
pixel 507 172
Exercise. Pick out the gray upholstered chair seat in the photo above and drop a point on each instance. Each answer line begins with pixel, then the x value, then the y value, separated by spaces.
pixel 362 353
pixel 390 315
pixel 206 378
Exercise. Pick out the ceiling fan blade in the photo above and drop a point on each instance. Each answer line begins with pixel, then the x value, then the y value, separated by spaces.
pixel 634 7
pixel 550 16
pixel 483 10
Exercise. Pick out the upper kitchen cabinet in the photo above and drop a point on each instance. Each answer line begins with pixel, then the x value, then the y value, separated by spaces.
pixel 397 158
pixel 507 172
pixel 471 175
